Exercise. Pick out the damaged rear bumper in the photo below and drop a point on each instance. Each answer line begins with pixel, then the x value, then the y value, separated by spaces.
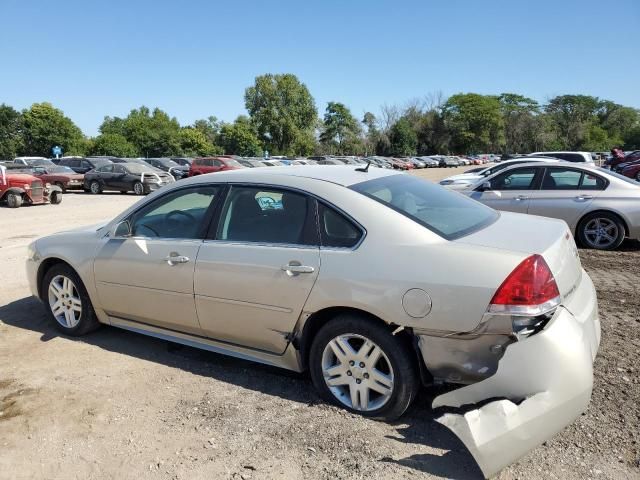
pixel 544 383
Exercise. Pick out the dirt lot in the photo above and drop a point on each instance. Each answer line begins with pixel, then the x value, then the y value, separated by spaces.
pixel 119 405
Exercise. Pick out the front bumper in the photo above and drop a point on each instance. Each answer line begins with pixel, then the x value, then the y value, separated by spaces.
pixel 544 383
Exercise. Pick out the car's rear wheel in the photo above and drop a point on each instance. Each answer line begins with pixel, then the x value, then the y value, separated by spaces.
pixel 56 198
pixel 358 365
pixel 138 188
pixel 601 230
pixel 68 302
pixel 61 185
pixel 14 200
pixel 95 187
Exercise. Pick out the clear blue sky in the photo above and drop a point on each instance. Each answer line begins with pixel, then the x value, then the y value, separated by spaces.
pixel 195 58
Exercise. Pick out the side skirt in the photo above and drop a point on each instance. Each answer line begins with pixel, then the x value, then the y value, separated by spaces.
pixel 289 360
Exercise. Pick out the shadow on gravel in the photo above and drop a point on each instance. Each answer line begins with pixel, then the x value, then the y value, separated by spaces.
pixel 417 427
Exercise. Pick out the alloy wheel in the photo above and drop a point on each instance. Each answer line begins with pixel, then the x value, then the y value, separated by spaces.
pixel 138 189
pixel 357 372
pixel 95 187
pixel 64 301
pixel 601 232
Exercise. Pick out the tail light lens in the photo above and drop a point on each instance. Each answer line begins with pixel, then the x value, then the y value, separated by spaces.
pixel 528 294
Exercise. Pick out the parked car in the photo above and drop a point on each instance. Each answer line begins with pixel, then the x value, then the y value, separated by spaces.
pixel 126 177
pixel 167 165
pixel 431 162
pixel 449 162
pixel 213 164
pixel 632 170
pixel 468 178
pixel 17 189
pixel 619 164
pixel 401 164
pixel 83 165
pixel 184 161
pixel 600 207
pixel 496 329
pixel 62 177
pixel 417 163
pixel 250 163
pixel 329 161
pixel 32 161
pixel 576 157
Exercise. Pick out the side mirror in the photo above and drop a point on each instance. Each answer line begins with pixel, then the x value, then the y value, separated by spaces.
pixel 485 186
pixel 121 230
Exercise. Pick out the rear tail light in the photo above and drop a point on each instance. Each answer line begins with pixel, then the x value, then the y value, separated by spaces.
pixel 529 294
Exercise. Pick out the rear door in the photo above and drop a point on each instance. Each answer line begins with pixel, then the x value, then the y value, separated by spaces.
pixel 566 193
pixel 509 191
pixel 255 273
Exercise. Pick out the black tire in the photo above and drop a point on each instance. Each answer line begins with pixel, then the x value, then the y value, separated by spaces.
pixel 62 187
pixel 88 320
pixel 615 228
pixel 138 188
pixel 14 200
pixel 55 198
pixel 95 187
pixel 398 351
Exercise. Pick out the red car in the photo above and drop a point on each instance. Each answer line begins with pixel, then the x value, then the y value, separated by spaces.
pixel 203 165
pixel 401 164
pixel 632 171
pixel 615 163
pixel 19 188
pixel 63 177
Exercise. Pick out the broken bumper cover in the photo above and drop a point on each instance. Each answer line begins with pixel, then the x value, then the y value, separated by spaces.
pixel 545 382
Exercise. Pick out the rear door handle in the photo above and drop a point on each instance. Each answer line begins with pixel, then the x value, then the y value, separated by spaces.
pixel 522 197
pixel 584 197
pixel 294 269
pixel 173 259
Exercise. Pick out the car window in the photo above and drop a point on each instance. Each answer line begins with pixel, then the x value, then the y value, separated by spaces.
pixel 561 179
pixel 336 230
pixel 217 163
pixel 446 213
pixel 179 214
pixel 253 214
pixel 117 169
pixel 75 163
pixel 592 182
pixel 105 169
pixel 518 179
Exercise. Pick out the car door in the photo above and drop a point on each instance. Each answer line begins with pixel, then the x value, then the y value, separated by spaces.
pixel 254 274
pixel 119 178
pixel 147 276
pixel 508 191
pixel 565 193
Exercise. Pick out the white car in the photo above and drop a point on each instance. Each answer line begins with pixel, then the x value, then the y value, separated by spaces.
pixel 567 156
pixel 465 180
pixel 374 281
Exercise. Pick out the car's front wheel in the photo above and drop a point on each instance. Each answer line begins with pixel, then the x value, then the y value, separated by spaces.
pixel 67 301
pixel 95 187
pixel 138 188
pixel 359 365
pixel 14 200
pixel 56 198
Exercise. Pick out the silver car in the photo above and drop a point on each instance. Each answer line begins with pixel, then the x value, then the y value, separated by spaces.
pixel 600 207
pixel 374 281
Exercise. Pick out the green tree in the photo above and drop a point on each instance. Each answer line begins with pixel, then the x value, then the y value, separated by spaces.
pixel 340 130
pixel 597 140
pixel 194 143
pixel 10 132
pixel 475 122
pixel 282 110
pixel 239 138
pixel 45 126
pixel 210 127
pixel 518 114
pixel 113 144
pixel 632 138
pixel 571 116
pixel 402 138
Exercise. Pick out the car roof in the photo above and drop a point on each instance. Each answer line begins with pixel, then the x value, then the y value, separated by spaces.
pixel 345 175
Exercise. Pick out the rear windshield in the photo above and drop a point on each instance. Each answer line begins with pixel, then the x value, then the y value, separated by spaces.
pixel 449 214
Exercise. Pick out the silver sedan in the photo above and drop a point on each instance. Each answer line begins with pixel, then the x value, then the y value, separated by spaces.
pixel 374 281
pixel 600 207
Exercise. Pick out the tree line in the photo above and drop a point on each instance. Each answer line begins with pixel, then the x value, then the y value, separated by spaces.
pixel 283 119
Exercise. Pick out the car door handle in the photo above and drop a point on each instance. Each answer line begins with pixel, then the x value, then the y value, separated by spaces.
pixel 522 197
pixel 584 197
pixel 173 259
pixel 295 269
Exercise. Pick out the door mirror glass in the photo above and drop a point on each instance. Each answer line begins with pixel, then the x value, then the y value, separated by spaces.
pixel 485 186
pixel 122 229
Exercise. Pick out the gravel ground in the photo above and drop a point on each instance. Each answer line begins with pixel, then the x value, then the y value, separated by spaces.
pixel 115 404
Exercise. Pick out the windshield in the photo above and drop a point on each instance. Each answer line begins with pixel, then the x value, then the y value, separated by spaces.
pixel 60 170
pixel 442 211
pixel 233 163
pixel 137 168
pixel 100 162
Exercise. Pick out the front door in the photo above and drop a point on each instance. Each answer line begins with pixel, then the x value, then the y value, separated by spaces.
pixel 148 276
pixel 253 277
pixel 509 191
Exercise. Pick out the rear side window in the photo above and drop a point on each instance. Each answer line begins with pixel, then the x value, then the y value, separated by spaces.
pixel 568 179
pixel 446 213
pixel 336 230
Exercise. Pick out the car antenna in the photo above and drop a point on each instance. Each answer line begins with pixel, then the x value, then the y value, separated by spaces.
pixel 364 169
